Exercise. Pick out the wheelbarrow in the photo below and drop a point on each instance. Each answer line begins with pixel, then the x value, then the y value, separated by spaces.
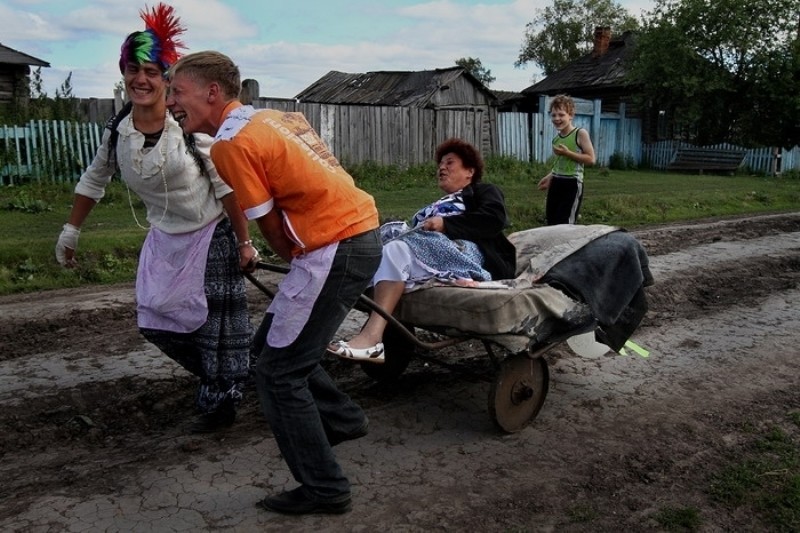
pixel 517 321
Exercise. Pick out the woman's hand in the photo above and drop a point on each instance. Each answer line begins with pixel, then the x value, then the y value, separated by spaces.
pixel 433 224
pixel 248 257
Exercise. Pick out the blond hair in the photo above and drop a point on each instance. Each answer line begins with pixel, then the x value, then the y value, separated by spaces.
pixel 210 66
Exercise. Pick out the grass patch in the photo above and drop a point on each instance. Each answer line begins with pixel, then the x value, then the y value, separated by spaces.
pixel 764 477
pixel 679 519
pixel 108 248
pixel 582 514
pixel 32 215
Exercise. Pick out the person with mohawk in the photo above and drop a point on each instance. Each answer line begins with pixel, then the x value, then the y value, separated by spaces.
pixel 190 290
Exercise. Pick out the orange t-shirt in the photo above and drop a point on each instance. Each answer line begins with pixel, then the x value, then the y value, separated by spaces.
pixel 274 159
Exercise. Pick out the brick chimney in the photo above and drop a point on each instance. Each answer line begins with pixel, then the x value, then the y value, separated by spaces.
pixel 602 36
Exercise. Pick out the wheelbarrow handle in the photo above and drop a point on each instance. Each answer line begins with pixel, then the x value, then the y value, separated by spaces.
pixel 364 299
pixel 281 269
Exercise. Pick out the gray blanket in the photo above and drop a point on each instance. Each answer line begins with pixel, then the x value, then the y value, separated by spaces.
pixel 608 274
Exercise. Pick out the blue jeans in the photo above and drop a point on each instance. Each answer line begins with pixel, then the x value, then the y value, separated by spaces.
pixel 300 401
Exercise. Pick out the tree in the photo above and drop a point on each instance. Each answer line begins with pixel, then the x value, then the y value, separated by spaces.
pixel 724 70
pixel 476 68
pixel 36 105
pixel 65 104
pixel 563 32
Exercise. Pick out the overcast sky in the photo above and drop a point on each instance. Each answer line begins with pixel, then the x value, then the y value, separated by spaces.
pixel 284 45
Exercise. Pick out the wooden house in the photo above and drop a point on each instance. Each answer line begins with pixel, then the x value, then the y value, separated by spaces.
pixel 599 74
pixel 443 88
pixel 446 102
pixel 512 101
pixel 15 70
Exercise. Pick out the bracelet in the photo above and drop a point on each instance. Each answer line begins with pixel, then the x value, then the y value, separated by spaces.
pixel 248 242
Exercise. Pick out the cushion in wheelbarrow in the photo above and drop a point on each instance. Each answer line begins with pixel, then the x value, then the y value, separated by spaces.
pixel 610 267
pixel 485 311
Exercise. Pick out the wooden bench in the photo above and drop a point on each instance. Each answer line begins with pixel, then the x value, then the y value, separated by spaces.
pixel 706 159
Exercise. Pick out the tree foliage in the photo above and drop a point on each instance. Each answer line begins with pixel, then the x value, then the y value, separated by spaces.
pixel 37 105
pixel 561 33
pixel 723 70
pixel 474 66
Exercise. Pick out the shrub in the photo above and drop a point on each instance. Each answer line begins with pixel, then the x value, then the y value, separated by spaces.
pixel 791 174
pixel 620 161
pixel 24 202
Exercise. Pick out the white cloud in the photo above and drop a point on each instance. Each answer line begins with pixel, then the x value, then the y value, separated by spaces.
pixel 284 54
pixel 212 20
pixel 19 25
pixel 437 34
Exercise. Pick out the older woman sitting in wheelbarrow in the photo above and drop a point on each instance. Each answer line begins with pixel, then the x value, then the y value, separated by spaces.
pixel 457 239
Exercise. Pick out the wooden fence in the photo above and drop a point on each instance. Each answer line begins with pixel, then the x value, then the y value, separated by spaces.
pixel 52 151
pixel 59 151
pixel 766 161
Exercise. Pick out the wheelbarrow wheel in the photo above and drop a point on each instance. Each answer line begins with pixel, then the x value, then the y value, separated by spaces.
pixel 518 392
pixel 398 351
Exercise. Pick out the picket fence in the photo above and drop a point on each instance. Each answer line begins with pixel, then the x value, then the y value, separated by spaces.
pixel 59 151
pixel 767 161
pixel 54 151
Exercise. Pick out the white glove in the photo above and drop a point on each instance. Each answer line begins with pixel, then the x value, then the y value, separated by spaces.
pixel 67 239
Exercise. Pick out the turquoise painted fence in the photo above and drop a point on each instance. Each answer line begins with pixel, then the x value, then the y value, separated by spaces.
pixel 51 151
pixel 528 136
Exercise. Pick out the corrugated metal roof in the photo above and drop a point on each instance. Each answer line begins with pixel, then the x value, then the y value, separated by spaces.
pixel 9 56
pixel 388 88
pixel 606 71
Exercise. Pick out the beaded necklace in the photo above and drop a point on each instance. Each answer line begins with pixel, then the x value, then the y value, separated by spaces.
pixel 148 139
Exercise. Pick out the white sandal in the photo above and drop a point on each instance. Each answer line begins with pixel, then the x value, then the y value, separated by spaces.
pixel 373 354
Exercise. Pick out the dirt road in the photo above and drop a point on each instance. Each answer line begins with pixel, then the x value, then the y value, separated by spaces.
pixel 93 419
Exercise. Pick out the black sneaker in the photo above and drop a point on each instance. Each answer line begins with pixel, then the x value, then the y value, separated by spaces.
pixel 338 438
pixel 223 417
pixel 296 502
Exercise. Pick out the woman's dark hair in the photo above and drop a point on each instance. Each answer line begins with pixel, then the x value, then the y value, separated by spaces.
pixel 469 155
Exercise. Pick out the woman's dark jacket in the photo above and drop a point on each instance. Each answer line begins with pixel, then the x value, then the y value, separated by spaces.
pixel 483 222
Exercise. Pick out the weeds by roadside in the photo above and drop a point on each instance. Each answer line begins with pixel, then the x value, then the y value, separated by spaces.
pixel 763 475
pixel 32 215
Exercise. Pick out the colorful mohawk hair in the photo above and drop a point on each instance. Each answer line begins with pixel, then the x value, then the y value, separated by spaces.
pixel 158 43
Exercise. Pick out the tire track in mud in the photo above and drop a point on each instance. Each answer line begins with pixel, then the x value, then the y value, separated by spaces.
pixel 71 437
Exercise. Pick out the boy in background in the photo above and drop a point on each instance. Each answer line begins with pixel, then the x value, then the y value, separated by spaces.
pixel 573 150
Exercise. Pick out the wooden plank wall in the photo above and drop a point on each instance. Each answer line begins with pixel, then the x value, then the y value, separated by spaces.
pixel 390 135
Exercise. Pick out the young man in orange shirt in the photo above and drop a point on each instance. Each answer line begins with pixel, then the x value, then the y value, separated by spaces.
pixel 312 215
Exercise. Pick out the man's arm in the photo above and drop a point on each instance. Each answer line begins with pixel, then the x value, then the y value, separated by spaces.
pixel 271 226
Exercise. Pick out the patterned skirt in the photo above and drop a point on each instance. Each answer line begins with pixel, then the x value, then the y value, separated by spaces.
pixel 435 256
pixel 219 351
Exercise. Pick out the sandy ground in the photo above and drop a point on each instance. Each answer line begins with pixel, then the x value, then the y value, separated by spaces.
pixel 93 418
